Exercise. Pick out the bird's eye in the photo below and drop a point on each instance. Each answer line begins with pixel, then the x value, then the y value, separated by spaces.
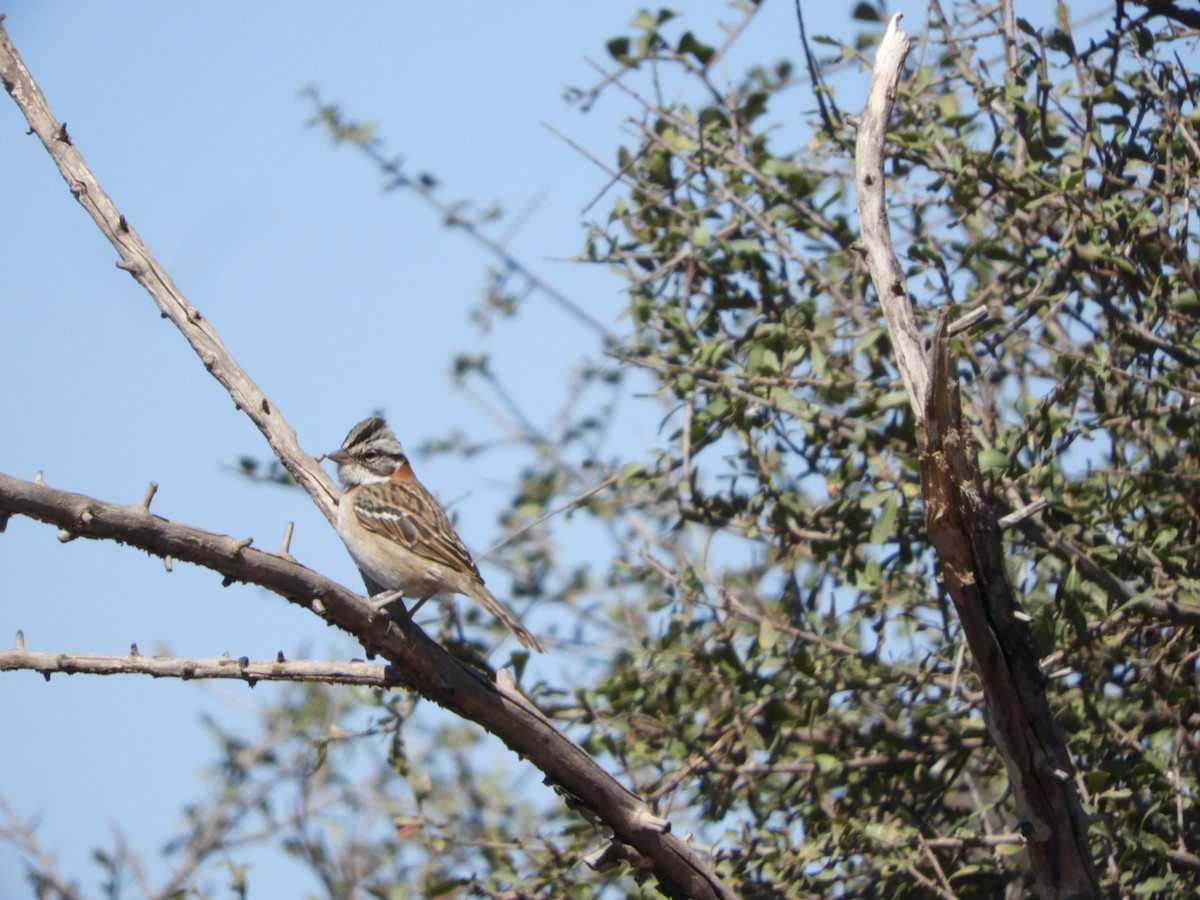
pixel 371 454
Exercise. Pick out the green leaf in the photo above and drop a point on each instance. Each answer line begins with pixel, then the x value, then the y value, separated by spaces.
pixel 885 526
pixel 990 460
pixel 688 45
pixel 618 49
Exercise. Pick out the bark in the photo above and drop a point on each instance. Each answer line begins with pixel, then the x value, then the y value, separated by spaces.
pixel 416 662
pixel 636 834
pixel 963 530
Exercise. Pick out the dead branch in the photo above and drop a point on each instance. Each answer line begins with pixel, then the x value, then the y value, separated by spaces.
pixel 323 671
pixel 422 664
pixel 136 258
pixel 964 533
pixel 417 662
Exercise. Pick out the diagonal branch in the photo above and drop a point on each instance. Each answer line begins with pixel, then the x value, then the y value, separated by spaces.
pixel 963 530
pixel 137 259
pixel 420 663
pixel 417 662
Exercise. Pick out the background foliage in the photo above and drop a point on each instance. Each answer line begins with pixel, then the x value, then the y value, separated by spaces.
pixel 765 649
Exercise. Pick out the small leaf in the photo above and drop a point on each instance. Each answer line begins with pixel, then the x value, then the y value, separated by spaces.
pixel 993 459
pixel 885 526
pixel 618 49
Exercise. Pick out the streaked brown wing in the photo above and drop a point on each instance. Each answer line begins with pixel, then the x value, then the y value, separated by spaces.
pixel 408 514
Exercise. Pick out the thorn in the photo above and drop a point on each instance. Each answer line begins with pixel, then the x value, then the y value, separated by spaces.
pixel 3 521
pixel 317 606
pixel 123 224
pixel 62 134
pixel 266 406
pixel 285 547
pixel 38 479
pixel 168 563
pixel 243 662
pixel 242 545
pixel 131 267
pixel 133 649
pixel 653 822
pixel 144 503
pixel 1022 616
pixel 66 537
pixel 87 518
pixel 19 643
pixel 279 657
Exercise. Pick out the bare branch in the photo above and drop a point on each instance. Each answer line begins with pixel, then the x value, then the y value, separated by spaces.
pixel 420 663
pixel 964 532
pixel 137 259
pixel 326 672
pixel 417 663
pixel 885 269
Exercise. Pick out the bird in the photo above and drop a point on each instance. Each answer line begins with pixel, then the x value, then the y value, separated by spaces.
pixel 398 534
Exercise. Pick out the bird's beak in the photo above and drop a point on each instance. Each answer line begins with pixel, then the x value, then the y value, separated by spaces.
pixel 338 456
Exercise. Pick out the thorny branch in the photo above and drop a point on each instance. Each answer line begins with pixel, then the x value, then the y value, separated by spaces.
pixel 422 664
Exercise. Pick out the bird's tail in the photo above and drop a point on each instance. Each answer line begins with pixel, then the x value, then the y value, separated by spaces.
pixel 481 595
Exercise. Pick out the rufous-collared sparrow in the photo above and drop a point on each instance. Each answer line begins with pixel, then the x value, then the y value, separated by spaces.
pixel 396 531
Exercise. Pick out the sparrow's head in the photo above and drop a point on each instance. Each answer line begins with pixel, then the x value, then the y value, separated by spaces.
pixel 369 453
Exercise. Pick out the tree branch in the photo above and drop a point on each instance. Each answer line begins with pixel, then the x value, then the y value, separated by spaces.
pixel 885 270
pixel 327 672
pixel 137 259
pixel 420 663
pixel 963 530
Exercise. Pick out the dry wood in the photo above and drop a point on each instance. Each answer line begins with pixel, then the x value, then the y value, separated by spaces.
pixel 963 530
pixel 420 663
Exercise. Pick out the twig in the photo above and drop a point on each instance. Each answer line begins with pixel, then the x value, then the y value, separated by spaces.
pixel 326 672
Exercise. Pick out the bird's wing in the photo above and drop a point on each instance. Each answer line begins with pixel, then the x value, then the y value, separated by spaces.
pixel 408 514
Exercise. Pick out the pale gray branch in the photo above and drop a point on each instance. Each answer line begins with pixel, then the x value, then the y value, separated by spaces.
pixel 885 270
pixel 326 672
pixel 136 258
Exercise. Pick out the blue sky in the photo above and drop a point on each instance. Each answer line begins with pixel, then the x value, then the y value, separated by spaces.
pixel 338 299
